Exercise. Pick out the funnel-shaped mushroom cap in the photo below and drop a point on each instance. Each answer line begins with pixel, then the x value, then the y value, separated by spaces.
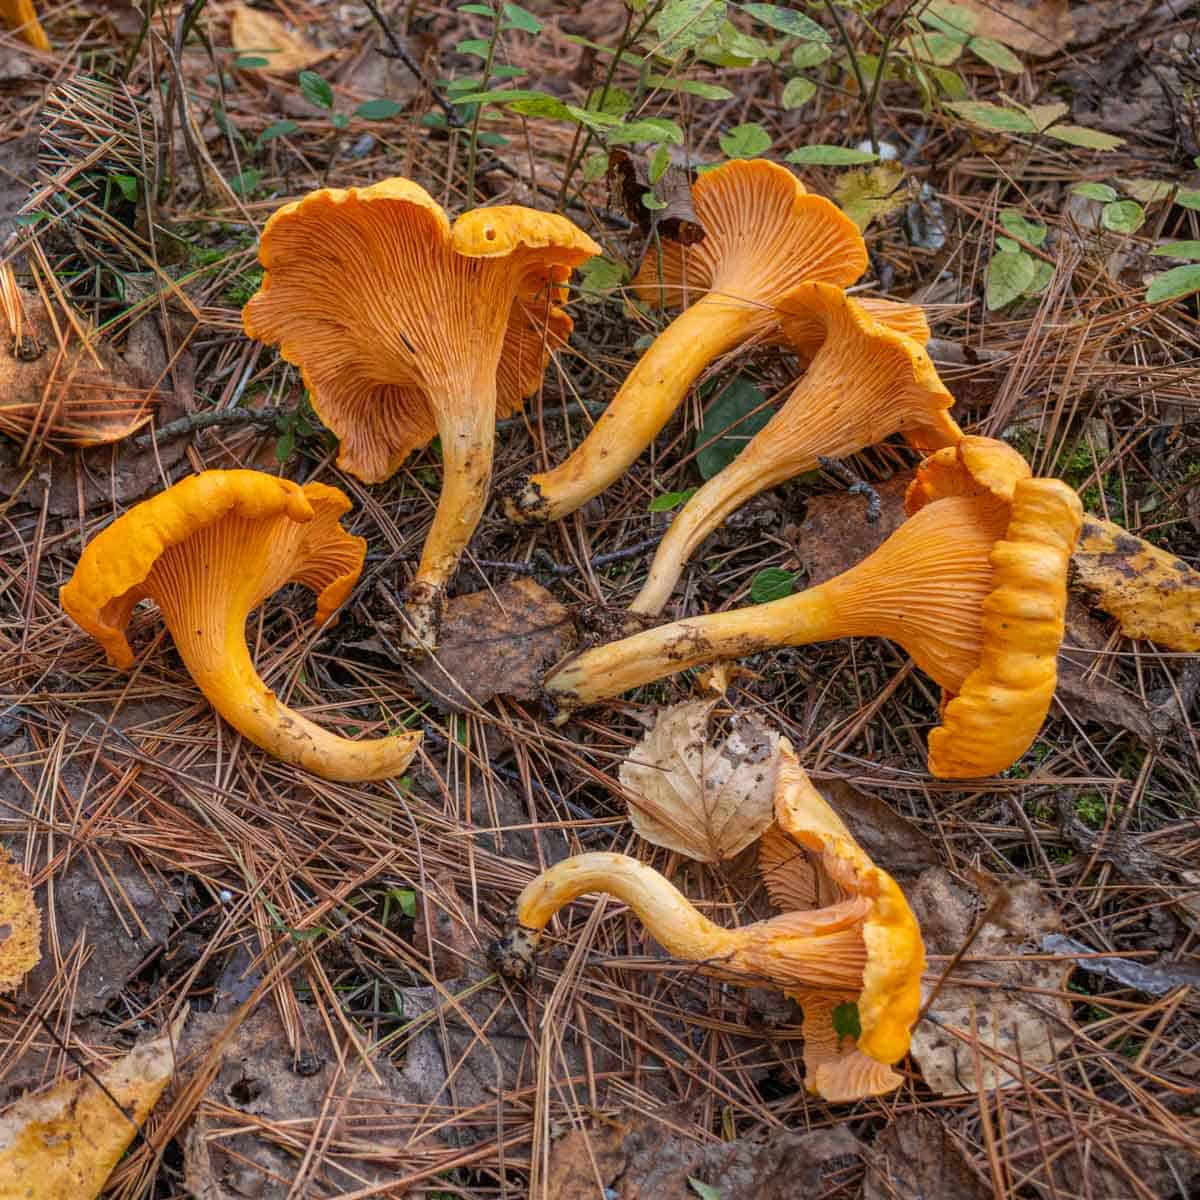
pixel 765 236
pixel 809 858
pixel 972 585
pixel 864 944
pixel 21 16
pixel 866 382
pixel 405 327
pixel 208 551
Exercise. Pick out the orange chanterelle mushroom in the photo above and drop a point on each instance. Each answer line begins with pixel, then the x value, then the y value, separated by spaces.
pixel 973 585
pixel 208 551
pixel 20 16
pixel 866 381
pixel 406 327
pixel 861 951
pixel 764 236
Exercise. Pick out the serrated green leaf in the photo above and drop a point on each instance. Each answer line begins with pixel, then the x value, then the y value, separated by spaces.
pixel 1033 232
pixel 745 141
pixel 1177 250
pixel 683 24
pixel 830 156
pixel 670 500
pixel 996 54
pixel 692 87
pixel 705 1191
pixel 315 90
pixel 276 130
pixel 771 583
pixel 729 423
pixel 1009 274
pixel 1123 216
pixel 1090 139
pixel 659 164
pixel 517 18
pixel 650 129
pixel 811 54
pixel 1179 281
pixel 992 116
pixel 798 91
pixel 382 109
pixel 846 1021
pixel 1095 191
pixel 787 20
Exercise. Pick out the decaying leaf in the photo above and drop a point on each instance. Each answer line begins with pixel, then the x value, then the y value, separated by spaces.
pixel 498 642
pixel 55 389
pixel 676 220
pixel 700 797
pixel 63 1144
pixel 1151 592
pixel 21 947
pixel 866 195
pixel 836 534
pixel 1011 1008
pixel 1041 27
pixel 917 1158
pixel 256 34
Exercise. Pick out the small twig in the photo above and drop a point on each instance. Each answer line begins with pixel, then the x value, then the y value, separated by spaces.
pixel 592 407
pixel 857 486
pixel 547 566
pixel 852 54
pixel 205 420
pixel 397 49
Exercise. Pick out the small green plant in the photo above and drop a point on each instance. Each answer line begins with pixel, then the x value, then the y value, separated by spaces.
pixel 316 90
pixel 1013 272
pixel 772 583
pixel 1116 215
pixel 669 500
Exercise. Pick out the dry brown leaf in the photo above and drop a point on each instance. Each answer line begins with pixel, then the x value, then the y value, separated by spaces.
pixel 1151 592
pixel 705 799
pixel 261 34
pixel 1040 27
pixel 917 1158
pixel 1010 1010
pixel 63 1144
pixel 21 948
pixel 872 192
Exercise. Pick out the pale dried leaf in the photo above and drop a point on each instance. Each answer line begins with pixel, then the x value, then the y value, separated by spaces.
pixel 64 1143
pixel 258 34
pixel 705 800
pixel 21 948
pixel 1041 27
pixel 873 192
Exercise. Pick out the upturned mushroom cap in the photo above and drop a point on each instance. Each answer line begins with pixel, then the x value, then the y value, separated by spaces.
pixel 22 16
pixel 866 381
pixel 209 550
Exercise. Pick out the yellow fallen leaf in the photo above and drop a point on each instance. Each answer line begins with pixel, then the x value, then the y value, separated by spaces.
pixel 704 798
pixel 870 193
pixel 63 1144
pixel 21 949
pixel 1151 592
pixel 258 34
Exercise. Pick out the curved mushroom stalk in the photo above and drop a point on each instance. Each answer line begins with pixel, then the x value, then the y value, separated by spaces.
pixel 21 16
pixel 765 235
pixel 208 551
pixel 862 946
pixel 405 326
pixel 866 382
pixel 972 586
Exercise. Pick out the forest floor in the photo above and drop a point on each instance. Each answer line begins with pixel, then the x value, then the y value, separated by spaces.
pixel 347 1035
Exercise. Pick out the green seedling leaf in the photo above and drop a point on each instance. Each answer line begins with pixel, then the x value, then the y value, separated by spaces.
pixel 1009 275
pixel 285 444
pixel 248 62
pixel 745 141
pixel 599 276
pixel 1177 250
pixel 1095 191
pixel 729 423
pixel 1147 191
pixel 504 71
pixel 480 10
pixel 340 120
pixel 846 1022
pixel 128 185
pixel 1043 272
pixel 315 90
pixel 1188 198
pixel 406 900
pixel 1077 135
pixel 379 110
pixel 732 48
pixel 475 46
pixel 517 18
pixel 935 48
pixel 830 156
pixel 1043 115
pixel 245 181
pixel 951 19
pixel 797 92
pixel 595 166
pixel 670 500
pixel 659 164
pixel 503 96
pixel 771 583
pixel 277 130
pixel 491 139
pixel 1003 243
pixel 1033 232
pixel 996 54
pixel 1179 281
pixel 787 20
pixel 616 102
pixel 705 1191
pixel 811 54
pixel 683 25
pixel 542 106
pixel 652 202
pixel 27 219
pixel 651 129
pixel 992 116
pixel 693 87
pixel 1123 216
pixel 951 83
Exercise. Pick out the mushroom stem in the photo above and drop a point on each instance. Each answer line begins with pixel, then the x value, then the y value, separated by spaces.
pixel 822 947
pixel 468 434
pixel 923 588
pixel 645 402
pixel 208 626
